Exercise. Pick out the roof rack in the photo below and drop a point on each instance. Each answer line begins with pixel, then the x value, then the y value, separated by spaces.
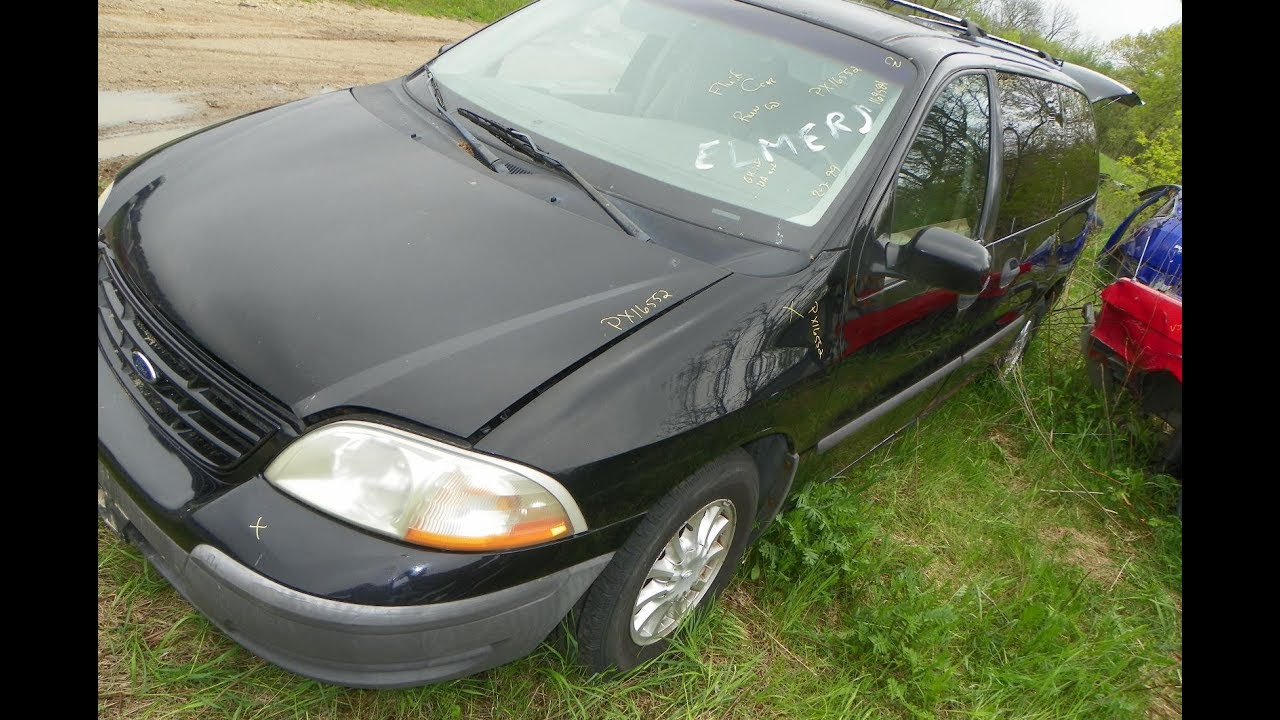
pixel 970 29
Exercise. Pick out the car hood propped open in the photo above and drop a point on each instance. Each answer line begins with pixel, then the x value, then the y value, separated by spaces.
pixel 334 261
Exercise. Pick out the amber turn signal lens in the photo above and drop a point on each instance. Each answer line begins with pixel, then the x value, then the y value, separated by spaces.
pixel 521 535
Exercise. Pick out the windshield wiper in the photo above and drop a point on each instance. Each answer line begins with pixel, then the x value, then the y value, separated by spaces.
pixel 522 143
pixel 484 154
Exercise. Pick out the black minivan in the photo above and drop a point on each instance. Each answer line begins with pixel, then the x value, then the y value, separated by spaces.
pixel 393 380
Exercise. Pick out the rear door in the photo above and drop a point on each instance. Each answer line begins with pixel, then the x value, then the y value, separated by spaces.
pixel 1027 198
pixel 1045 187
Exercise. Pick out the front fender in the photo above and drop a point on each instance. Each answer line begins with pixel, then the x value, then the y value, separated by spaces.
pixel 742 360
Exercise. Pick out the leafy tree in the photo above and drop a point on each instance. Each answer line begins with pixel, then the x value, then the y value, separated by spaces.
pixel 1161 157
pixel 1151 64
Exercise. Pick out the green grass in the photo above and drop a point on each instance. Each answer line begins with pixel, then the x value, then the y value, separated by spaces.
pixel 1122 174
pixel 478 10
pixel 1012 556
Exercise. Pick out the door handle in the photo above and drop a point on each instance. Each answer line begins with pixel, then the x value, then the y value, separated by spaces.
pixel 1010 272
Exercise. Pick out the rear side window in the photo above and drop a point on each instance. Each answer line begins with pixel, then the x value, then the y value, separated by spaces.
pixel 1031 184
pixel 1080 154
pixel 943 179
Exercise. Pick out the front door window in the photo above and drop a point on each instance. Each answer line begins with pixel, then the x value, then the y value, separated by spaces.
pixel 943 180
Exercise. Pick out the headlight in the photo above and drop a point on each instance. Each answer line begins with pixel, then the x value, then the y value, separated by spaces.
pixel 102 199
pixel 412 488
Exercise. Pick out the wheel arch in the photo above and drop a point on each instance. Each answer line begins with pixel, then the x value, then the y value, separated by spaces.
pixel 776 462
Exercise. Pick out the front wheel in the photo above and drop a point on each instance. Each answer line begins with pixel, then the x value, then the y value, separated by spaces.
pixel 679 558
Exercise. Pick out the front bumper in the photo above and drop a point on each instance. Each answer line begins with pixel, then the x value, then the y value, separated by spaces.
pixel 347 643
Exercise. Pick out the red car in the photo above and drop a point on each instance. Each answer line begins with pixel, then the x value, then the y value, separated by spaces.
pixel 1134 340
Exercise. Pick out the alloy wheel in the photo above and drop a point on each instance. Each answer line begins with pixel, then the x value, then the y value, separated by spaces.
pixel 683 572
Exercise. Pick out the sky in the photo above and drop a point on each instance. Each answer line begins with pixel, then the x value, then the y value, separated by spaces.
pixel 1107 20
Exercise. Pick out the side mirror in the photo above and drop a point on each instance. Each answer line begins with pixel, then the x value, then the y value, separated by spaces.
pixel 944 259
pixel 444 49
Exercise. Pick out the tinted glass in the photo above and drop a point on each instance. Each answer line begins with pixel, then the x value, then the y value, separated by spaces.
pixel 1080 159
pixel 1031 185
pixel 943 179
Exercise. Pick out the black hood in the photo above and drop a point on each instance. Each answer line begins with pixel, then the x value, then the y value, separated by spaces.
pixel 334 261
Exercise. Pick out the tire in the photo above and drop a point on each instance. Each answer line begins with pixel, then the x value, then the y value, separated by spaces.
pixel 1013 355
pixel 725 488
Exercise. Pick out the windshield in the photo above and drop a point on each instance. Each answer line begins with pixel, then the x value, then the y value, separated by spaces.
pixel 757 117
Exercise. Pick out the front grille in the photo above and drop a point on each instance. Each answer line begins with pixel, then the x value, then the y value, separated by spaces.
pixel 186 402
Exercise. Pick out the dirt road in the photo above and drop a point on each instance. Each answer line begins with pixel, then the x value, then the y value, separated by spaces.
pixel 213 59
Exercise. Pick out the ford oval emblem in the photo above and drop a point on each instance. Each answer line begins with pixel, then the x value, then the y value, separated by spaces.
pixel 145 369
